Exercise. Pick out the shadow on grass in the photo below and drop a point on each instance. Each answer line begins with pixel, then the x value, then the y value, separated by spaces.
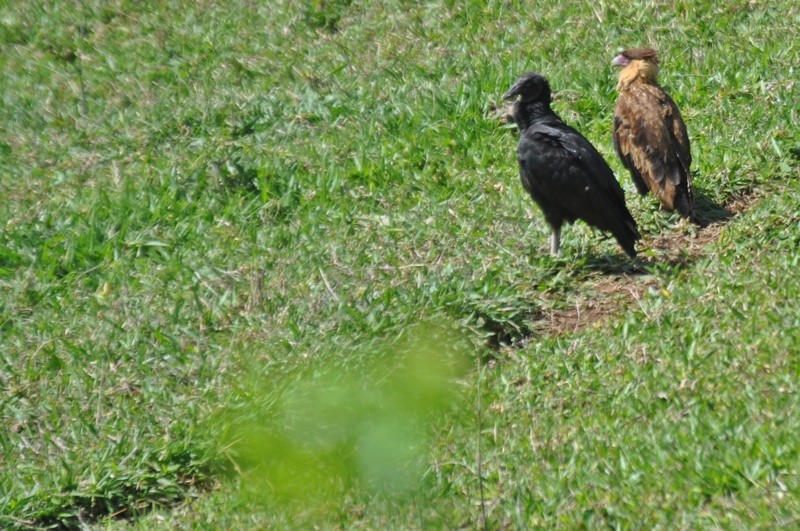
pixel 709 211
pixel 621 265
pixel 614 264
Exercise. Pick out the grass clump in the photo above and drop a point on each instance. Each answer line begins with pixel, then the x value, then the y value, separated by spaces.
pixel 198 193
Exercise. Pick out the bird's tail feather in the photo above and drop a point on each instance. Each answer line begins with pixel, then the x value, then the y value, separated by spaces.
pixel 627 240
pixel 627 234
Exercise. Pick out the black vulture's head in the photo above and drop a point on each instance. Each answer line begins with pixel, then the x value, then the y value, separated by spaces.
pixel 529 87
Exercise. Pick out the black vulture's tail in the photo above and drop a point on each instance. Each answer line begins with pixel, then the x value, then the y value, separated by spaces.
pixel 627 236
pixel 617 219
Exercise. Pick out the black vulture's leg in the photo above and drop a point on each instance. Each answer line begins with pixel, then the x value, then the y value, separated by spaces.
pixel 555 241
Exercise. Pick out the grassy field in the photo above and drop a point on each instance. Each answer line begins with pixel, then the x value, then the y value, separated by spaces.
pixel 270 264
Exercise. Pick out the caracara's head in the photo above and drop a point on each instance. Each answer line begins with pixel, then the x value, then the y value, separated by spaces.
pixel 637 63
pixel 530 87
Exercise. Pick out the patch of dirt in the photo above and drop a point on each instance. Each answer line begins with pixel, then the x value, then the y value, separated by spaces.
pixel 612 291
pixel 608 298
pixel 742 202
pixel 681 248
pixel 687 243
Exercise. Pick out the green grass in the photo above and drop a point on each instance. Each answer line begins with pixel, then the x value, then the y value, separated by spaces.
pixel 207 206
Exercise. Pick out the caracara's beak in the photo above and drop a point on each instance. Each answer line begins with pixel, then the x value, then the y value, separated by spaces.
pixel 620 60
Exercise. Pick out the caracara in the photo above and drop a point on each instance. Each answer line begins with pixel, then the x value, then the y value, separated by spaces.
pixel 563 172
pixel 649 133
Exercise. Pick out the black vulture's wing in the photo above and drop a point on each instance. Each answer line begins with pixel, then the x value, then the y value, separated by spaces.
pixel 567 173
pixel 590 165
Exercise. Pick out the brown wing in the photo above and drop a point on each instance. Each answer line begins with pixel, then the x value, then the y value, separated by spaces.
pixel 684 193
pixel 626 127
pixel 678 135
pixel 650 139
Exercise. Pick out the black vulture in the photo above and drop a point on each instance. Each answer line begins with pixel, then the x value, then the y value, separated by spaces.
pixel 563 172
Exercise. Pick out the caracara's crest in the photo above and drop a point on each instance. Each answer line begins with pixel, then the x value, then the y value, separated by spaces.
pixel 636 54
pixel 649 134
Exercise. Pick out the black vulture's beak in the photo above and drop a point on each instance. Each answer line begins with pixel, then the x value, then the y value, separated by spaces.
pixel 512 93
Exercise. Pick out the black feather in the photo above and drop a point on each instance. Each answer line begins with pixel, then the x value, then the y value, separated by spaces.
pixel 563 172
